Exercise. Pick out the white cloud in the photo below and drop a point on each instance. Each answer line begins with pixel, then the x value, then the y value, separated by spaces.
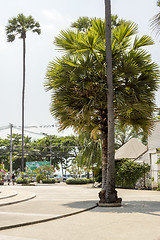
pixel 54 15
pixel 48 27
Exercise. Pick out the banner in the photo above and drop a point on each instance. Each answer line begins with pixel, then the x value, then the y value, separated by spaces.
pixel 36 164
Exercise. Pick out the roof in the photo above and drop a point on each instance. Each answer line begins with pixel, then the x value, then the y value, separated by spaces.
pixel 131 149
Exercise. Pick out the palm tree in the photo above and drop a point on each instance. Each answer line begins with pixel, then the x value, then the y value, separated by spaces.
pixel 155 22
pixel 109 188
pixel 79 88
pixel 90 154
pixel 20 25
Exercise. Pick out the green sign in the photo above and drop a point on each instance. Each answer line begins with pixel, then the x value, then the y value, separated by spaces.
pixel 35 165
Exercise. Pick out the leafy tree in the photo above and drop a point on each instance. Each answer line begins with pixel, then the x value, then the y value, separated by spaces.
pixel 45 171
pixel 78 84
pixel 155 23
pixel 82 24
pixel 123 133
pixel 90 153
pixel 20 25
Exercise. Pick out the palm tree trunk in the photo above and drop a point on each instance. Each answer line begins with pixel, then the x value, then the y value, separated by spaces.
pixel 23 94
pixel 104 139
pixel 110 193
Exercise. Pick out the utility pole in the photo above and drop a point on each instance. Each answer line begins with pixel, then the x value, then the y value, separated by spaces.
pixel 11 148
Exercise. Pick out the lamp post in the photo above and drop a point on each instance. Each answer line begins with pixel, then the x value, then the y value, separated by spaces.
pixel 11 149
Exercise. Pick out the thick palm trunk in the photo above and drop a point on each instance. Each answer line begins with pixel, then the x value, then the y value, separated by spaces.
pixel 23 94
pixel 110 193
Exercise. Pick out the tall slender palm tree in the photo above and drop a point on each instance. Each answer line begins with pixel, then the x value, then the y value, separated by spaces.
pixel 155 22
pixel 20 25
pixel 110 193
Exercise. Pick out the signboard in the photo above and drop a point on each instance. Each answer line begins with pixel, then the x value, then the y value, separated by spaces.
pixel 36 164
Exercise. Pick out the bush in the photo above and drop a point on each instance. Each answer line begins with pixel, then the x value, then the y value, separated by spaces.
pixel 22 181
pixel 79 181
pixel 91 180
pixel 38 178
pixel 98 175
pixel 48 180
pixel 129 172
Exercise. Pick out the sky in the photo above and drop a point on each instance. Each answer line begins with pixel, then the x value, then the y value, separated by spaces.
pixel 53 17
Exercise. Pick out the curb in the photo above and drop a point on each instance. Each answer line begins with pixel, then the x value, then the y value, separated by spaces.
pixel 47 219
pixel 18 201
pixel 109 204
pixel 8 196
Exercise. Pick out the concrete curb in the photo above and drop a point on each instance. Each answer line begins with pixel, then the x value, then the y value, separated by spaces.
pixel 9 195
pixel 18 201
pixel 109 204
pixel 47 219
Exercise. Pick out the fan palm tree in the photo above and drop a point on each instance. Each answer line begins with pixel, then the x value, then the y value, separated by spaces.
pixel 155 22
pixel 79 87
pixel 20 25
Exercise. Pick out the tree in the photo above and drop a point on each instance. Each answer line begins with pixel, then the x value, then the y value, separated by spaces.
pixel 90 151
pixel 82 24
pixel 78 83
pixel 20 25
pixel 155 22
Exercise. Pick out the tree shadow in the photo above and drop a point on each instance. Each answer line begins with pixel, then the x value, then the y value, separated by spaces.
pixel 145 207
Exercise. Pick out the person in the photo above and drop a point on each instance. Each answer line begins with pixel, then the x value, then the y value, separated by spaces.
pixel 8 178
pixel 13 178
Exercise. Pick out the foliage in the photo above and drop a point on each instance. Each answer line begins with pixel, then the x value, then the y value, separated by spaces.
pixel 129 172
pixel 39 177
pixel 22 180
pixel 50 148
pixel 77 80
pixel 123 133
pixel 79 181
pixel 90 154
pixel 20 25
pixel 155 22
pixel 98 175
pixel 45 171
pixel 48 181
pixel 2 171
pixel 75 170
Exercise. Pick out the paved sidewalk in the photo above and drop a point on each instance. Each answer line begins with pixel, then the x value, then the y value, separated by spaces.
pixel 138 218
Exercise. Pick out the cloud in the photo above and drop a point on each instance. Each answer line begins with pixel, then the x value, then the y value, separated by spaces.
pixel 48 27
pixel 55 21
pixel 54 15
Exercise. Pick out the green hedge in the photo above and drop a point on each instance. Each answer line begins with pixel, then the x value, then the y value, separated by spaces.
pixel 48 181
pixel 79 181
pixel 23 181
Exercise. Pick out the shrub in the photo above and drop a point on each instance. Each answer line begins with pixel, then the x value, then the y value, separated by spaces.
pixel 38 178
pixel 48 180
pixel 91 180
pixel 78 181
pixel 129 172
pixel 98 175
pixel 22 181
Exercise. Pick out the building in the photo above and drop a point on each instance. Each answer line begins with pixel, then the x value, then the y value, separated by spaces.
pixel 136 151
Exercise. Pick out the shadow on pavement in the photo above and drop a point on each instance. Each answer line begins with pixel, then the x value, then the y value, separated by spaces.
pixel 146 207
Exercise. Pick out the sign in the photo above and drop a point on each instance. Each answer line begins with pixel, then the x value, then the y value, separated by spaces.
pixel 36 164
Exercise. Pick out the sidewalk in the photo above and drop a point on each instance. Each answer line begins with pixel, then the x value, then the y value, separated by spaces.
pixel 138 218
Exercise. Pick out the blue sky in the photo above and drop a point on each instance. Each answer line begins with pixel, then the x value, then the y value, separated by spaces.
pixel 53 17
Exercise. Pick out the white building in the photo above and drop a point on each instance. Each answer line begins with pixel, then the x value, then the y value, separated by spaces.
pixel 140 153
